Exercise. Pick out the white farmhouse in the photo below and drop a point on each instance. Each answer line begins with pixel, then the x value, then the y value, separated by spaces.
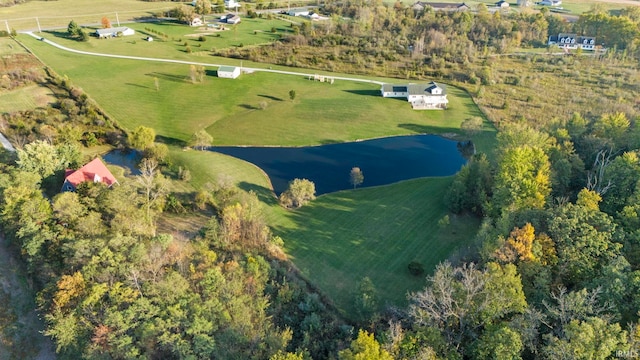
pixel 114 32
pixel 231 4
pixel 429 96
pixel 229 72
pixel 571 41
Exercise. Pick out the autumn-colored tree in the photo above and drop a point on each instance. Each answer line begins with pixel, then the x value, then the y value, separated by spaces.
pixel 519 245
pixel 365 347
pixel 106 23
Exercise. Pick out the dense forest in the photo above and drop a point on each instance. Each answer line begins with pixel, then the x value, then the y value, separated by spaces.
pixel 556 269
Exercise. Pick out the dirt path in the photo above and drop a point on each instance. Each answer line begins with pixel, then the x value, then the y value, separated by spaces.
pixel 21 337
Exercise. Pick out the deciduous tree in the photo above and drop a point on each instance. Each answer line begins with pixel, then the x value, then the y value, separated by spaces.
pixel 299 192
pixel 356 177
pixel 142 138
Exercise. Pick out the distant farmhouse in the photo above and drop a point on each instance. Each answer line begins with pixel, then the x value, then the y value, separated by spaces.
pixel 95 171
pixel 502 4
pixel 229 72
pixel 550 2
pixel 230 19
pixel 114 32
pixel 231 4
pixel 298 12
pixel 429 96
pixel 571 41
pixel 440 6
pixel 196 21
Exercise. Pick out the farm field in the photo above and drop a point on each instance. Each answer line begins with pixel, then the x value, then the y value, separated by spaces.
pixel 25 98
pixel 57 14
pixel 254 109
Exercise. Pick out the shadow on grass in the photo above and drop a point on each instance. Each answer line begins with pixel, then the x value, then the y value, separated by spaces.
pixel 138 85
pixel 169 77
pixel 367 93
pixel 274 98
pixel 264 194
pixel 213 73
pixel 170 141
pixel 60 34
pixel 425 129
pixel 248 107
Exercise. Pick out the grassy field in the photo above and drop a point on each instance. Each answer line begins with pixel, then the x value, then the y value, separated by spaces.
pixel 25 98
pixel 254 109
pixel 342 237
pixel 59 13
pixel 376 232
pixel 178 38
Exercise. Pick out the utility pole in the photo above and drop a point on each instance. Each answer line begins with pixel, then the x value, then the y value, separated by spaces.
pixel 6 22
pixel 38 21
pixel 117 19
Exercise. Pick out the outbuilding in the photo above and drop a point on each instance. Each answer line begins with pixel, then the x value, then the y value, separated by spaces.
pixel 114 32
pixel 229 72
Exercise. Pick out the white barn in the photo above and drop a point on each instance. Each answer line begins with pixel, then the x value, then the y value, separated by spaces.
pixel 229 72
pixel 114 32
pixel 429 96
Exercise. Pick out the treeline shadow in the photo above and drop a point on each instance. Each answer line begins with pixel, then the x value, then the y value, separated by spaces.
pixel 168 77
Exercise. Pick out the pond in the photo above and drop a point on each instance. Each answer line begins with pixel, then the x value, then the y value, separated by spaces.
pixel 382 161
pixel 127 159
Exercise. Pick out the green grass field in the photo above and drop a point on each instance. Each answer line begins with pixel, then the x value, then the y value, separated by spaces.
pixel 376 232
pixel 178 36
pixel 25 98
pixel 342 237
pixel 231 110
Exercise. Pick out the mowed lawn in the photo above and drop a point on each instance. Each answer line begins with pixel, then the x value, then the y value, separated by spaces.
pixel 177 38
pixel 254 109
pixel 340 238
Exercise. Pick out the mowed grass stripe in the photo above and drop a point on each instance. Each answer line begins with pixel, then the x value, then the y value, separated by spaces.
pixel 342 237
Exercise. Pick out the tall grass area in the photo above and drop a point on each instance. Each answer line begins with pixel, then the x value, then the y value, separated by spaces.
pixel 254 109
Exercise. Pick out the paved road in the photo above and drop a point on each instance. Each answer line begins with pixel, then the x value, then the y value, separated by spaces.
pixel 6 144
pixel 246 69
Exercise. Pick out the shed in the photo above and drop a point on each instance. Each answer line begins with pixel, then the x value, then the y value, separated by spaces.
pixel 229 72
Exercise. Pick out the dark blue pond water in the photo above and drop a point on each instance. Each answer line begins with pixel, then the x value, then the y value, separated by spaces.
pixel 127 159
pixel 382 161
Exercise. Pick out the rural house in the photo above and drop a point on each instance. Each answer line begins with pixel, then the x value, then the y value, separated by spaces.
pixel 229 72
pixel 571 41
pixel 114 32
pixel 440 6
pixel 502 4
pixel 429 96
pixel 95 171
pixel 230 19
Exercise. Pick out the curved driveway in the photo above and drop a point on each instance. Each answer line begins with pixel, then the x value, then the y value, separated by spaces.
pixel 193 62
